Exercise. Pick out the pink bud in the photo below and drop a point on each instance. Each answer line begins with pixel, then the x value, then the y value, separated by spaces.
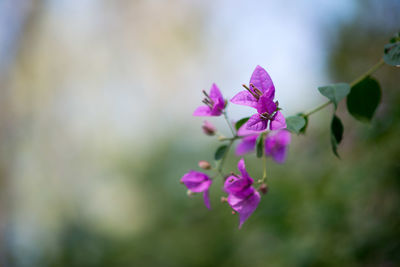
pixel 205 165
pixel 208 128
pixel 263 189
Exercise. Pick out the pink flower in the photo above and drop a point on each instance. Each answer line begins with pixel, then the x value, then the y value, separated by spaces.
pixel 242 196
pixel 276 144
pixel 260 83
pixel 248 142
pixel 198 182
pixel 260 95
pixel 267 111
pixel 214 103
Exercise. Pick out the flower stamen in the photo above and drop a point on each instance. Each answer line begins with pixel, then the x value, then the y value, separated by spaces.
pixel 258 92
pixel 256 96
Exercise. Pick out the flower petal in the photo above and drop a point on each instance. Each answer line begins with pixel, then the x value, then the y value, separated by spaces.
pixel 218 107
pixel 243 131
pixel 266 104
pixel 244 206
pixel 242 168
pixel 280 155
pixel 278 122
pixel 283 137
pixel 256 123
pixel 203 111
pixel 234 185
pixel 261 80
pixel 276 145
pixel 247 145
pixel 215 93
pixel 206 199
pixel 244 98
pixel 196 181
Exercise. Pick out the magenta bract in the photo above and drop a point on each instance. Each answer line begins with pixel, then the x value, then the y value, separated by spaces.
pixel 214 103
pixel 242 196
pixel 198 182
pixel 276 145
pixel 260 95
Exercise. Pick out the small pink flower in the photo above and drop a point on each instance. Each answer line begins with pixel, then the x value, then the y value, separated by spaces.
pixel 260 83
pixel 248 141
pixel 276 144
pixel 214 103
pixel 198 182
pixel 242 196
pixel 260 95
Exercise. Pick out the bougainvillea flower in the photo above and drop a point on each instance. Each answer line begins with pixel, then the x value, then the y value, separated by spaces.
pixel 214 103
pixel 247 143
pixel 260 95
pixel 267 111
pixel 276 144
pixel 198 182
pixel 242 196
pixel 260 84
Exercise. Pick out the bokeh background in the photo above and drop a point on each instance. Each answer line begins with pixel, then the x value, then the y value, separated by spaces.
pixel 96 130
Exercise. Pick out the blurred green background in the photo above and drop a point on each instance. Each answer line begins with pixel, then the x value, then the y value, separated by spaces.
pixel 96 130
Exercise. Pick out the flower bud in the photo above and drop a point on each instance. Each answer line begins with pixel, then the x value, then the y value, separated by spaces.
pixel 208 128
pixel 224 199
pixel 263 189
pixel 205 165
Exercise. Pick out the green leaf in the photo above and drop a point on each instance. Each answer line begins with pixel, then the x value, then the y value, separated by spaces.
pixel 259 146
pixel 220 152
pixel 395 38
pixel 335 92
pixel 303 130
pixel 295 123
pixel 240 123
pixel 363 99
pixel 336 133
pixel 391 54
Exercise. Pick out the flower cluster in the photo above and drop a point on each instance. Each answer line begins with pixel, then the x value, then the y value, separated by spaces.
pixel 266 129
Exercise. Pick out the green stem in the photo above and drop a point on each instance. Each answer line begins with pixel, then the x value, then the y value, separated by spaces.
pixel 221 163
pixel 359 79
pixel 368 73
pixel 264 178
pixel 231 141
pixel 318 108
pixel 229 123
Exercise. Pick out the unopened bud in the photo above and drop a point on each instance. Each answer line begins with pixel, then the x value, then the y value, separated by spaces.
pixel 204 165
pixel 263 189
pixel 233 212
pixel 208 128
pixel 189 193
pixel 224 199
